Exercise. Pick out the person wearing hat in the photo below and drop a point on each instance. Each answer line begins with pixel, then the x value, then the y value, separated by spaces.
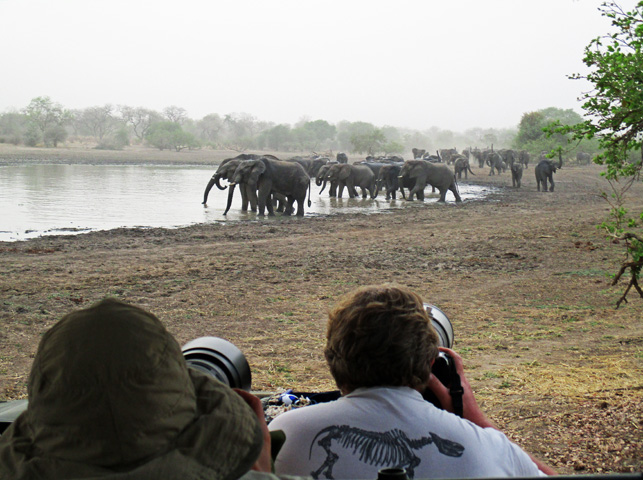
pixel 111 397
pixel 380 349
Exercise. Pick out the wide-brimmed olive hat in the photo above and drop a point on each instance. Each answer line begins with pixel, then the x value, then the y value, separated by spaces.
pixel 110 396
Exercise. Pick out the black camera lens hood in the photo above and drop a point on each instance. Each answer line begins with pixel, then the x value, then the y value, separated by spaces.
pixel 215 355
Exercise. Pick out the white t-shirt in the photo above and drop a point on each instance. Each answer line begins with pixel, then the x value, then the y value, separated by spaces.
pixel 374 428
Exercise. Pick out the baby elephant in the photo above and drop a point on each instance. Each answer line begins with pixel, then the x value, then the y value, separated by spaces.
pixel 516 174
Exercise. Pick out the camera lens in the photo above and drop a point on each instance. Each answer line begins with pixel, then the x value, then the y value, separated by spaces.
pixel 441 324
pixel 219 358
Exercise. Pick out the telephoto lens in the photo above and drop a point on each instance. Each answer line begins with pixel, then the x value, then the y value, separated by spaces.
pixel 441 324
pixel 219 358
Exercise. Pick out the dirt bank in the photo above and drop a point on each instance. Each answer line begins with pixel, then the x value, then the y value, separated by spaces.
pixel 523 276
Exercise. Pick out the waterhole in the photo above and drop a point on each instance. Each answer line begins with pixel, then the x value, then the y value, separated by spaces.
pixel 38 200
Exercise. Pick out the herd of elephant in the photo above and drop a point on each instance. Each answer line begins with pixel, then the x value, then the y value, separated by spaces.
pixel 268 183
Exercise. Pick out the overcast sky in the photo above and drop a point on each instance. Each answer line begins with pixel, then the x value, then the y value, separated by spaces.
pixel 453 64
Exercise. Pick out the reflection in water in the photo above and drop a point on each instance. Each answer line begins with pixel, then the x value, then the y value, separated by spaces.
pixel 38 200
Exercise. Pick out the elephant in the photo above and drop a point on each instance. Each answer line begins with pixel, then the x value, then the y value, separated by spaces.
pixel 342 157
pixel 523 157
pixel 583 158
pixel 494 160
pixel 225 171
pixel 382 159
pixel 432 158
pixel 438 175
pixel 352 176
pixel 311 165
pixel 508 156
pixel 462 165
pixel 418 153
pixel 516 174
pixel 388 177
pixel 545 171
pixel 448 154
pixel 268 177
pixel 320 180
pixel 373 165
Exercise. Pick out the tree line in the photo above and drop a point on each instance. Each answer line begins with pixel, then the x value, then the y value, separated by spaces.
pixel 47 123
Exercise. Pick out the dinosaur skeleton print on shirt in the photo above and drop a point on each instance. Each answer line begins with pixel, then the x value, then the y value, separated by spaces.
pixel 382 449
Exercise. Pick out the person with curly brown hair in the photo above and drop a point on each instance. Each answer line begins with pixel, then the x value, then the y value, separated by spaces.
pixel 380 349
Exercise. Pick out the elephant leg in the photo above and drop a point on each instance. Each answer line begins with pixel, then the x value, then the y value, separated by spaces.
pixel 455 192
pixel 352 191
pixel 264 201
pixel 332 191
pixel 300 205
pixel 551 184
pixel 412 192
pixel 248 196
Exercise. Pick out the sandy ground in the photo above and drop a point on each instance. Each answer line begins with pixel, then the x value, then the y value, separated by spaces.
pixel 523 275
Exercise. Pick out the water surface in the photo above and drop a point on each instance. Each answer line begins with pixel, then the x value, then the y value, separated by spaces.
pixel 40 200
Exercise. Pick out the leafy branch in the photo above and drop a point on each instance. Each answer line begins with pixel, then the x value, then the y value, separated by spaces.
pixel 614 116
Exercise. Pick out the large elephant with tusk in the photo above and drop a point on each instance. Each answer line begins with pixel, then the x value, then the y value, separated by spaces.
pixel 225 171
pixel 269 177
pixel 422 173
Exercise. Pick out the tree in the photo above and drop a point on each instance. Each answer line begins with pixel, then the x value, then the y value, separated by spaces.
pixel 175 114
pixel 370 142
pixel 614 115
pixel 277 137
pixel 46 117
pixel 209 127
pixel 170 135
pixel 393 147
pixel 319 131
pixel 140 119
pixel 346 130
pixel 99 121
pixel 12 127
pixel 531 134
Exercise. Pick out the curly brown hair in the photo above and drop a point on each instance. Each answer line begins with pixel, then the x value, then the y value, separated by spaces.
pixel 380 336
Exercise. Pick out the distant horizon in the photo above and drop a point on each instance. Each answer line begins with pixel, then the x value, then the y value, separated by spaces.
pixel 456 65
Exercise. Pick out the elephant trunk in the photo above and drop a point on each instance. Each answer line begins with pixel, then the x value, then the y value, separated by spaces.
pixel 230 193
pixel 217 177
pixel 323 184
pixel 560 160
pixel 207 189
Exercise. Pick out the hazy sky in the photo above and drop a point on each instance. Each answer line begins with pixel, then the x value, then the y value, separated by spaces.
pixel 453 64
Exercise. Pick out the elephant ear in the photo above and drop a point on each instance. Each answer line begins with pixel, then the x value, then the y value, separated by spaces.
pixel 257 169
pixel 344 172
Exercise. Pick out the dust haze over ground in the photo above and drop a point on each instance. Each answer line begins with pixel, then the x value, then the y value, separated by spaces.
pixel 523 276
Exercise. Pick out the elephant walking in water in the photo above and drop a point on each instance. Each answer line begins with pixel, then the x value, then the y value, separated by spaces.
pixel 271 177
pixel 351 177
pixel 438 175
pixel 388 179
pixel 225 171
pixel 545 171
